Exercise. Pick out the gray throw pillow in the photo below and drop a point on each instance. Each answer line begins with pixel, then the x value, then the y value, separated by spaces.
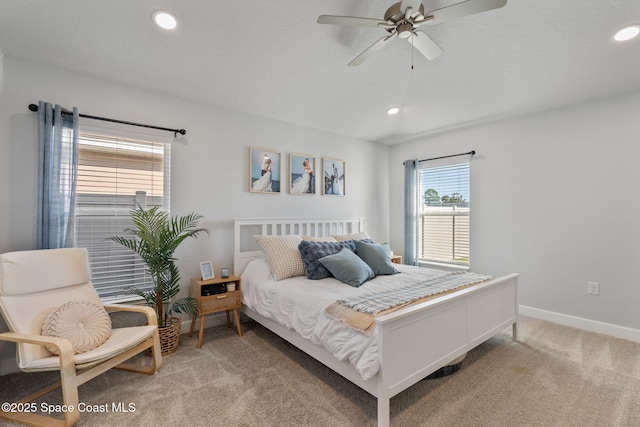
pixel 311 252
pixel 348 268
pixel 378 257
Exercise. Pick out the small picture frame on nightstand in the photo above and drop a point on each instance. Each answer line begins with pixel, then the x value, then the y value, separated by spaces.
pixel 206 270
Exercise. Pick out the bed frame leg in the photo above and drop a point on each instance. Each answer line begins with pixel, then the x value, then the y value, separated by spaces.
pixel 383 411
pixel 515 331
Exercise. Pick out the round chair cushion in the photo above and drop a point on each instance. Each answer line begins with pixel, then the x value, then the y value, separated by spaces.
pixel 85 324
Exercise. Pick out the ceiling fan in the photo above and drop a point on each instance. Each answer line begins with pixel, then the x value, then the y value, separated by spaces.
pixel 403 18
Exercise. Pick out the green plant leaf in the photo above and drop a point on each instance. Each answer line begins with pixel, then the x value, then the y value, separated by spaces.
pixel 155 237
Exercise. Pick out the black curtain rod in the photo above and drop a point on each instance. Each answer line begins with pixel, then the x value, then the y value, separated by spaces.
pixel 471 153
pixel 34 108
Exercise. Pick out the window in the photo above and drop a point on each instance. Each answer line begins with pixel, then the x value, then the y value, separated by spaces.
pixel 114 175
pixel 444 213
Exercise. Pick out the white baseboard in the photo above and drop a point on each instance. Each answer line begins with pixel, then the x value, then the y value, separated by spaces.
pixel 214 319
pixel 582 323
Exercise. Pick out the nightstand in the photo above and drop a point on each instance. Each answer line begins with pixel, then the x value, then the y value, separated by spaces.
pixel 209 301
pixel 396 259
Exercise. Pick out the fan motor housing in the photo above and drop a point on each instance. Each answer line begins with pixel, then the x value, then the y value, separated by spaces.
pixel 395 15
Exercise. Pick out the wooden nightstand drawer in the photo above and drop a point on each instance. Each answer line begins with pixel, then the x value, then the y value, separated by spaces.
pixel 220 302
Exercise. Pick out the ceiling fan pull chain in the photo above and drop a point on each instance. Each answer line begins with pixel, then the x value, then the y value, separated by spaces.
pixel 412 48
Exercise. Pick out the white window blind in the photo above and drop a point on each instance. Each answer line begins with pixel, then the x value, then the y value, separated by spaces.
pixel 444 213
pixel 114 175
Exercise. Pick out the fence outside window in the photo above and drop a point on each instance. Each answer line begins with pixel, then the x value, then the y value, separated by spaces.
pixel 445 234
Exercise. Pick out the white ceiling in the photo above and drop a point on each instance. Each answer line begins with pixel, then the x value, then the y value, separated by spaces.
pixel 271 58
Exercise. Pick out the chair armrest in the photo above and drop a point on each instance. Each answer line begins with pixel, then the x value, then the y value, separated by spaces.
pixel 150 312
pixel 65 349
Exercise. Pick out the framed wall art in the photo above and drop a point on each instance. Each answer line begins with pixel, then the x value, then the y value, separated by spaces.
pixel 264 171
pixel 206 270
pixel 302 174
pixel 333 171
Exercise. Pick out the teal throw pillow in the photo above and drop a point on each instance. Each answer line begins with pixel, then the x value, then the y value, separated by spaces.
pixel 378 257
pixel 348 268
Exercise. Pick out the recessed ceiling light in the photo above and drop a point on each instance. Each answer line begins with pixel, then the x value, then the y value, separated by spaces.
pixel 627 33
pixel 165 20
pixel 393 110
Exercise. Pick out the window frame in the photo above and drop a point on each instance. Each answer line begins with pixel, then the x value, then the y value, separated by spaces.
pixel 465 191
pixel 118 211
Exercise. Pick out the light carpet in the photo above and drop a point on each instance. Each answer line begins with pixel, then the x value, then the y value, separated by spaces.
pixel 554 376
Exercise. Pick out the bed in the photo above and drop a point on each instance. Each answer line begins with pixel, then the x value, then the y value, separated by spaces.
pixel 404 346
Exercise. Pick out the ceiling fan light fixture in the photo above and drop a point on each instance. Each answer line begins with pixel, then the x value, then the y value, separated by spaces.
pixel 393 110
pixel 404 30
pixel 627 33
pixel 165 20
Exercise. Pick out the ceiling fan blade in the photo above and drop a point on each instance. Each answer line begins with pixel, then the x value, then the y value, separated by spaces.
pixel 350 20
pixel 413 4
pixel 372 49
pixel 425 45
pixel 464 8
pixel 422 21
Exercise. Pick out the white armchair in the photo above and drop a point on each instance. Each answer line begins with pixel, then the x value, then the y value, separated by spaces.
pixel 34 284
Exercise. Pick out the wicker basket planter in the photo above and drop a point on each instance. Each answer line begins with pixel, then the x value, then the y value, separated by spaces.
pixel 170 335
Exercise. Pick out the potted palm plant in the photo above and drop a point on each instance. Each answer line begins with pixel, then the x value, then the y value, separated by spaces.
pixel 155 238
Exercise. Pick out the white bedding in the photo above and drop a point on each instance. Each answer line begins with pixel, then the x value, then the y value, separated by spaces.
pixel 299 304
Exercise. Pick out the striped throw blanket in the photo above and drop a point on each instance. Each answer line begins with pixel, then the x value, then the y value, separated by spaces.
pixel 358 311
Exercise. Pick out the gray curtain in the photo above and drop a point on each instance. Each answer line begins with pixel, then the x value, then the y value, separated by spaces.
pixel 57 175
pixel 410 212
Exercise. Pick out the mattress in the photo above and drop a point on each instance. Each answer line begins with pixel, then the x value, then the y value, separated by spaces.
pixel 300 304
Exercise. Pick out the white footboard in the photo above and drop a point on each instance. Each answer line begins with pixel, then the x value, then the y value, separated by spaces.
pixel 413 342
pixel 419 340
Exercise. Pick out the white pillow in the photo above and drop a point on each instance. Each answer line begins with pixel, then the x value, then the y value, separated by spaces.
pixel 85 324
pixel 353 236
pixel 282 255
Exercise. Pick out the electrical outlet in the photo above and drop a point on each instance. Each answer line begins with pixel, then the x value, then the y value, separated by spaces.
pixel 593 288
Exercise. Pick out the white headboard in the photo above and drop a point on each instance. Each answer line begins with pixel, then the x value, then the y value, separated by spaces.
pixel 245 248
